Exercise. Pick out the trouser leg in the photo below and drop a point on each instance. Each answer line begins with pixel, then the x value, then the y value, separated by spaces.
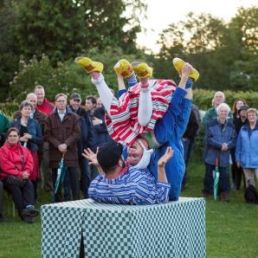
pixel 45 170
pixel 28 193
pixel 74 182
pixel 16 193
pixel 58 194
pixel 35 189
pixel 224 184
pixel 85 176
pixel 249 176
pixel 208 179
pixel 67 186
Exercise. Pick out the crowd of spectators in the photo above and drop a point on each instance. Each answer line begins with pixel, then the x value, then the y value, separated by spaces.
pixel 42 133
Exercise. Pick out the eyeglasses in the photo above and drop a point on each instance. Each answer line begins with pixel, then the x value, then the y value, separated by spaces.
pixel 77 100
pixel 61 101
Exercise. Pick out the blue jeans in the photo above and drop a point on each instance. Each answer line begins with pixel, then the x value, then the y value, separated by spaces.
pixel 224 184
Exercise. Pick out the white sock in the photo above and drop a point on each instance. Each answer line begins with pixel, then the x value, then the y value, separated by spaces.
pixel 145 107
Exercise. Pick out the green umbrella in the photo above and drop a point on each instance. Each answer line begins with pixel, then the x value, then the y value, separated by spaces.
pixel 60 174
pixel 216 180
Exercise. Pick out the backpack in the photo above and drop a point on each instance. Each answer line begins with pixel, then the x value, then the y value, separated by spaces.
pixel 251 195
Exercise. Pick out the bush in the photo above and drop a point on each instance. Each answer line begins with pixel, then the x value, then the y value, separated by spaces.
pixel 203 98
pixel 66 77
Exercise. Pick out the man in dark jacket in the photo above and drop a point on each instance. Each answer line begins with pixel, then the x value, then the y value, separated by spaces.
pixel 62 131
pixel 86 140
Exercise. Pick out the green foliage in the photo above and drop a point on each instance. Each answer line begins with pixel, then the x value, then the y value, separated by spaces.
pixel 202 98
pixel 63 29
pixel 225 54
pixel 66 77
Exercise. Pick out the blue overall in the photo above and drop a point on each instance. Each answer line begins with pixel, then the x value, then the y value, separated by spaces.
pixel 168 132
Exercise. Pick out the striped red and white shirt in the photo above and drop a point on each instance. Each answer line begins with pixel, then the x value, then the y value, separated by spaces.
pixel 123 125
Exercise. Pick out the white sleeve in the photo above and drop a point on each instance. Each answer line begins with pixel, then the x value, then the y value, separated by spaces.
pixel 104 91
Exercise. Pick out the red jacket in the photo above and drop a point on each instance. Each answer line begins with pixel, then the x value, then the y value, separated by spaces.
pixel 46 107
pixel 14 159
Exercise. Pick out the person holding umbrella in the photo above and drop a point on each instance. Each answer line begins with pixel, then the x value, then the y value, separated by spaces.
pixel 220 138
pixel 62 131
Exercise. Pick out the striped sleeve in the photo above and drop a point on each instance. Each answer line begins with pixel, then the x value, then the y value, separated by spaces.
pixel 135 187
pixel 123 125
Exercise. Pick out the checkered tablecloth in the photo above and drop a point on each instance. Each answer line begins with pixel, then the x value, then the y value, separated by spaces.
pixel 175 229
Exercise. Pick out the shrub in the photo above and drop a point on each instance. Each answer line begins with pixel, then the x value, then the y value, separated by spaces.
pixel 66 77
pixel 203 98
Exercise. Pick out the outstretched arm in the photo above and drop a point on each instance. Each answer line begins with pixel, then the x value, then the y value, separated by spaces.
pixel 92 158
pixel 104 91
pixel 162 163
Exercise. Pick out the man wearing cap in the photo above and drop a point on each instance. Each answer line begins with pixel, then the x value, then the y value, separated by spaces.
pixel 121 183
pixel 86 140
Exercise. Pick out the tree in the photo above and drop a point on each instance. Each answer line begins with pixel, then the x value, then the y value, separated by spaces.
pixel 61 29
pixel 241 47
pixel 65 76
pixel 196 40
pixel 64 29
pixel 225 54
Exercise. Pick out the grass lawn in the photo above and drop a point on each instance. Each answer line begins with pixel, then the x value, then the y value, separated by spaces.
pixel 231 228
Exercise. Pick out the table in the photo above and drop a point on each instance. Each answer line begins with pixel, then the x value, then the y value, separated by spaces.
pixel 175 229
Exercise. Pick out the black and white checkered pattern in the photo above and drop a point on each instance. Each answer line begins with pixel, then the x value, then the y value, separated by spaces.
pixel 175 229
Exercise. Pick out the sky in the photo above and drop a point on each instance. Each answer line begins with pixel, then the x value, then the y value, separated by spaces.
pixel 161 13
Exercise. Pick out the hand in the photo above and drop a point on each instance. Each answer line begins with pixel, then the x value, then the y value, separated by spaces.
pixel 96 121
pixel 238 164
pixel 166 157
pixel 224 147
pixel 62 148
pixel 23 139
pixel 27 136
pixel 91 156
pixel 25 175
pixel 186 70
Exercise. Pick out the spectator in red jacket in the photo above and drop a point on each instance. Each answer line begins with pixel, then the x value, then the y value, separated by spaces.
pixel 16 166
pixel 43 104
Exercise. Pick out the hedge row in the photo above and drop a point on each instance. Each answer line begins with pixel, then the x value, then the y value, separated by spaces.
pixel 203 98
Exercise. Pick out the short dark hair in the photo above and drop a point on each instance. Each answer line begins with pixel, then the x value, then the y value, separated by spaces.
pixel 92 99
pixel 12 129
pixel 108 155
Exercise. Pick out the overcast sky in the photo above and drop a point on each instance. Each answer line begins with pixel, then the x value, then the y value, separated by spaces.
pixel 161 13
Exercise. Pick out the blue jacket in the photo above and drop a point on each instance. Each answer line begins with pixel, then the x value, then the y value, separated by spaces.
pixel 247 147
pixel 34 129
pixel 215 135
